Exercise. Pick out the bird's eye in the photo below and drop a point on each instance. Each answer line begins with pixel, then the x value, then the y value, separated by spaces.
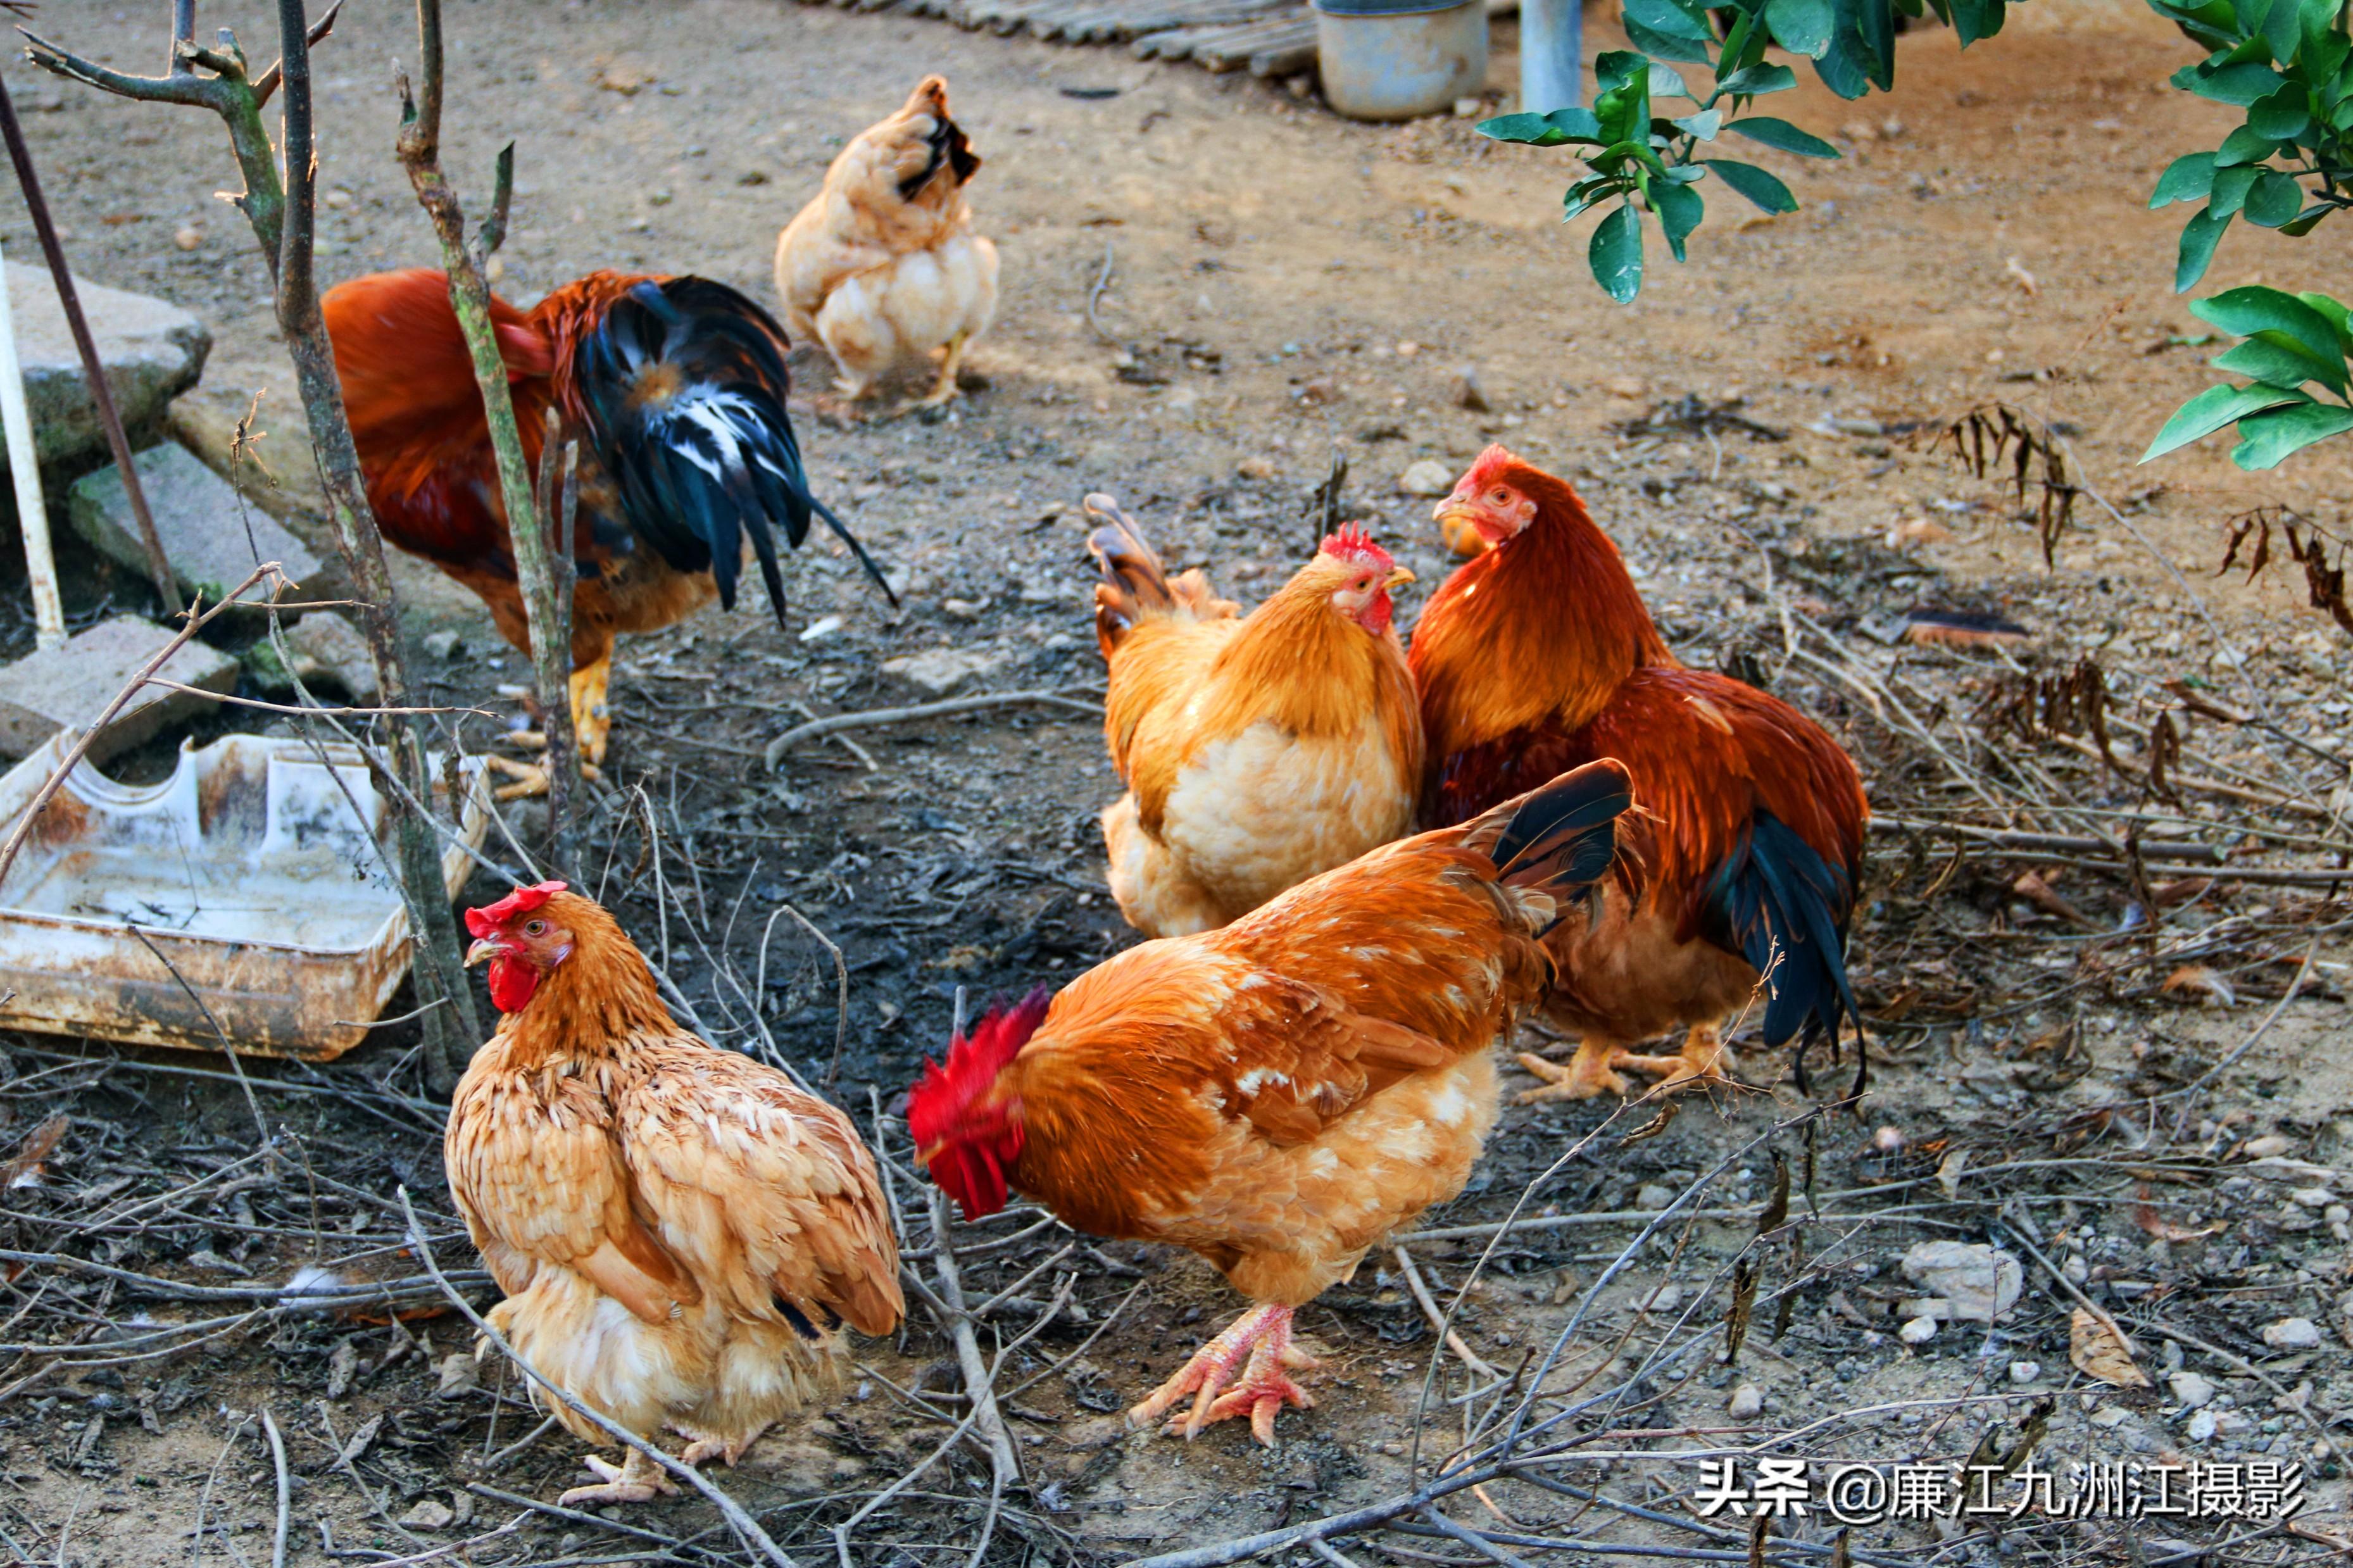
pixel 535 927
pixel 1503 496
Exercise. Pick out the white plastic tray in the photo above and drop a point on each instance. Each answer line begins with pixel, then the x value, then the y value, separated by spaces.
pixel 247 869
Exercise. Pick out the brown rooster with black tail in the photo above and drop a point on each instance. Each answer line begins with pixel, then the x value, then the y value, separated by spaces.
pixel 678 384
pixel 1538 655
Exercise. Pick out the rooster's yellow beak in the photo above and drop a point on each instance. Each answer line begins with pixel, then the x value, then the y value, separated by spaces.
pixel 488 947
pixel 1399 577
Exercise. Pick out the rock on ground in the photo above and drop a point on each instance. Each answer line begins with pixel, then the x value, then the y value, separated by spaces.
pixel 938 672
pixel 1981 1282
pixel 212 544
pixel 151 351
pixel 69 686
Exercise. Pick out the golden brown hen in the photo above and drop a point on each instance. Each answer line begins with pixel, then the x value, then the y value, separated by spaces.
pixel 680 1232
pixel 1279 1094
pixel 882 266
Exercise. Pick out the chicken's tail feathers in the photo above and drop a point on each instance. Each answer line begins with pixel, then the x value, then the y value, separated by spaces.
pixel 1133 581
pixel 1780 905
pixel 683 385
pixel 1560 839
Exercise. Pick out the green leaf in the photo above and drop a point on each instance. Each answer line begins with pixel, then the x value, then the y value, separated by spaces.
pixel 2199 235
pixel 2282 25
pixel 1562 125
pixel 2187 178
pixel 1760 187
pixel 1668 17
pixel 1588 193
pixel 2230 190
pixel 2306 220
pixel 1781 134
pixel 2265 438
pixel 1801 26
pixel 1665 46
pixel 1757 80
pixel 2279 317
pixel 2241 84
pixel 2274 199
pixel 1975 19
pixel 2337 316
pixel 1703 125
pixel 2266 361
pixel 2213 408
pixel 1680 208
pixel 1667 82
pixel 1619 68
pixel 2280 116
pixel 1616 254
pixel 2243 146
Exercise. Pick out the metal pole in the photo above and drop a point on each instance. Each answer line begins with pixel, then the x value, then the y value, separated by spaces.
pixel 1552 43
pixel 24 466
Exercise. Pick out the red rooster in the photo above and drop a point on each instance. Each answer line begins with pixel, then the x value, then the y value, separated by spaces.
pixel 1281 1093
pixel 678 385
pixel 1539 655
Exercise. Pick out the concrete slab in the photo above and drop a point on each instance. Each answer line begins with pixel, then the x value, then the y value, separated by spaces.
pixel 67 687
pixel 151 350
pixel 211 547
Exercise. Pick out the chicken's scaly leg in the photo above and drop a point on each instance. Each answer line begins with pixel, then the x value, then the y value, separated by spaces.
pixel 592 718
pixel 727 1450
pixel 951 362
pixel 634 1479
pixel 529 780
pixel 1257 1344
pixel 1590 1072
pixel 1700 1061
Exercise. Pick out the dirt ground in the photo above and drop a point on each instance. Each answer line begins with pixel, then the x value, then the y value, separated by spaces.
pixel 1269 284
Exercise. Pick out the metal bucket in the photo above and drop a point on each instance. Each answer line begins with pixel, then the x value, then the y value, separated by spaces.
pixel 1399 59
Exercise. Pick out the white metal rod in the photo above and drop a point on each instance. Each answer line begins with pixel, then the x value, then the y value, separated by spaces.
pixel 24 466
pixel 1552 45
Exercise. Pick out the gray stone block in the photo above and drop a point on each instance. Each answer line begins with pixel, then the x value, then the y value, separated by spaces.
pixel 67 687
pixel 195 517
pixel 152 349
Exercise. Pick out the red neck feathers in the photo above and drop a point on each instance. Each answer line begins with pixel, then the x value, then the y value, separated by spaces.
pixel 964 1137
pixel 1538 630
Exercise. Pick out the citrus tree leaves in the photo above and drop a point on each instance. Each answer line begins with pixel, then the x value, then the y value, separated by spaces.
pixel 1641 159
pixel 2291 343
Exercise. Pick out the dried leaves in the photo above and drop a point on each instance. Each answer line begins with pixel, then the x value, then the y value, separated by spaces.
pixel 1995 436
pixel 2097 1351
pixel 2307 546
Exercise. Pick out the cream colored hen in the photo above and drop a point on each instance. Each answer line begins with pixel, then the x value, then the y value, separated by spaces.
pixel 882 266
pixel 679 1232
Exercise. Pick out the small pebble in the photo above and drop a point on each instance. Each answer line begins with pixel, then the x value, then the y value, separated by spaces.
pixel 1260 469
pixel 429 1514
pixel 2313 1197
pixel 2194 1391
pixel 818 630
pixel 1918 1331
pixel 1887 1140
pixel 960 609
pixel 2270 1146
pixel 2292 1335
pixel 187 236
pixel 2202 1427
pixel 1653 1198
pixel 1428 478
pixel 1665 1298
pixel 1747 1402
pixel 2025 1371
pixel 1468 107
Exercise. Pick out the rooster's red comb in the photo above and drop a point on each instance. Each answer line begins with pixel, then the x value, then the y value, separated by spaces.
pixel 973 1063
pixel 521 901
pixel 1491 466
pixel 1353 543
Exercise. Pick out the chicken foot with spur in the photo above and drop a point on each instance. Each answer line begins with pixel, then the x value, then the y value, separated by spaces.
pixel 1258 1346
pixel 1593 1069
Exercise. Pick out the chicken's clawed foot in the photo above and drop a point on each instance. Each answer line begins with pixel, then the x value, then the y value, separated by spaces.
pixel 1593 1070
pixel 1257 1344
pixel 634 1479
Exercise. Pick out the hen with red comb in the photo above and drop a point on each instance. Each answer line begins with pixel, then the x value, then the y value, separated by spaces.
pixel 1257 750
pixel 679 1232
pixel 1279 1094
